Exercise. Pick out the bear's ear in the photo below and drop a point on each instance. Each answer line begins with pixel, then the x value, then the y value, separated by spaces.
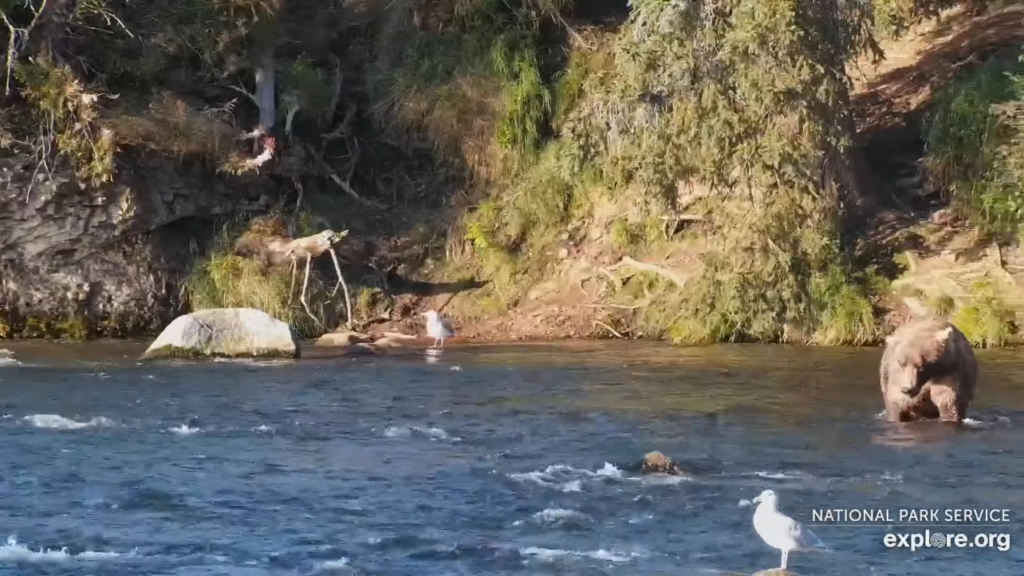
pixel 942 336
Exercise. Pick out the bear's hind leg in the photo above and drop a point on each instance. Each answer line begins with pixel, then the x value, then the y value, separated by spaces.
pixel 945 399
pixel 922 407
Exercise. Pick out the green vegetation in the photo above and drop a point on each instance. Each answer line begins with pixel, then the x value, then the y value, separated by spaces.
pixel 69 114
pixel 75 328
pixel 774 258
pixel 713 137
pixel 475 89
pixel 975 145
pixel 892 18
pixel 943 305
pixel 986 322
pixel 370 303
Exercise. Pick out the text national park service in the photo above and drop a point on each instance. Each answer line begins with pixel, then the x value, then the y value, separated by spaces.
pixel 916 515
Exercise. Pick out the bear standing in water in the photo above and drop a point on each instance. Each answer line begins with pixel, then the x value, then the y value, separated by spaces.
pixel 928 371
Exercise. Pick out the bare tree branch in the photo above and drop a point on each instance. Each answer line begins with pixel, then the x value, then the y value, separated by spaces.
pixel 644 266
pixel 241 90
pixel 344 184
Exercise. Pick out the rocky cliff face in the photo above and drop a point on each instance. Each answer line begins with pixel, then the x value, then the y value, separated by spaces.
pixel 108 259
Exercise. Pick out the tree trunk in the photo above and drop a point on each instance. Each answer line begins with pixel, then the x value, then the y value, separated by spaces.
pixel 265 92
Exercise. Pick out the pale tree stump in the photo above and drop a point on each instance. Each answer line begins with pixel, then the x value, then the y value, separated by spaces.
pixel 269 240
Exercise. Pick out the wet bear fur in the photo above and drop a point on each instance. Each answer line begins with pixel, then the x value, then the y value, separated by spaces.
pixel 928 371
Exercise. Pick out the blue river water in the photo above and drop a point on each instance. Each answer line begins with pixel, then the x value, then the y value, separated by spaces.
pixel 487 460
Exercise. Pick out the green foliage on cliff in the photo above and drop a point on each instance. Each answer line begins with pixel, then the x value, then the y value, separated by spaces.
pixel 975 145
pixel 747 102
pixel 986 321
pixel 66 114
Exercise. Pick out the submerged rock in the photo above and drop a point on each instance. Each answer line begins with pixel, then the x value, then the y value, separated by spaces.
pixel 394 340
pixel 356 343
pixel 657 463
pixel 343 338
pixel 348 343
pixel 225 332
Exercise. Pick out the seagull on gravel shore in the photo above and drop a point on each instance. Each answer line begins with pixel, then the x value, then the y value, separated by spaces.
pixel 780 531
pixel 437 328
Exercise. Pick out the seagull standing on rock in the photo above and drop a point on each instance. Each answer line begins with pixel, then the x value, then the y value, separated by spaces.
pixel 780 531
pixel 437 328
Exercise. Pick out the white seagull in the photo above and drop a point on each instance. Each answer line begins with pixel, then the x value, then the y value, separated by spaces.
pixel 437 328
pixel 780 531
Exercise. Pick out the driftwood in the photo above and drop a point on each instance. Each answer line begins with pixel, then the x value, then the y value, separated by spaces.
pixel 655 269
pixel 269 240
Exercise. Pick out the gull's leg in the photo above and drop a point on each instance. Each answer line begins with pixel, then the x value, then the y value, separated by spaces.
pixel 442 343
pixel 341 282
pixel 305 284
pixel 785 559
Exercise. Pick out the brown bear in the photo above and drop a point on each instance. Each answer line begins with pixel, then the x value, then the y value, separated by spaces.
pixel 928 371
pixel 657 463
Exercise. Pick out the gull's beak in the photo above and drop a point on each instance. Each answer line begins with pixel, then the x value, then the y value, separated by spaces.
pixel 756 499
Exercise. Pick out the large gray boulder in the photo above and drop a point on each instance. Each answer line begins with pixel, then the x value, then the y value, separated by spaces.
pixel 226 333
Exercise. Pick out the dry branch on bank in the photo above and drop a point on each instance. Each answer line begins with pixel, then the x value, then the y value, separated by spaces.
pixel 277 249
pixel 653 268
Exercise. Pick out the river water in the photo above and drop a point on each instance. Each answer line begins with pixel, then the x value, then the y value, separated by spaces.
pixel 486 460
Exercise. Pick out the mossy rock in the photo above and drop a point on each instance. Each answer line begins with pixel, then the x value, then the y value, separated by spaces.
pixel 225 333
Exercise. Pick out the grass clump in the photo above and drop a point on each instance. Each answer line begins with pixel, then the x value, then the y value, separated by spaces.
pixel 569 87
pixel 74 328
pixel 170 126
pixel 845 311
pixel 475 90
pixel 370 303
pixel 511 233
pixel 942 305
pixel 526 100
pixel 223 279
pixel 536 209
pixel 626 235
pixel 987 321
pixel 67 114
pixel 975 145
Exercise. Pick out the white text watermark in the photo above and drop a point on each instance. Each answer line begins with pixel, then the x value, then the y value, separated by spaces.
pixel 919 517
pixel 928 539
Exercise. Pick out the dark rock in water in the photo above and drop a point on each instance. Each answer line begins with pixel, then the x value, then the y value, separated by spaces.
pixel 657 463
pixel 110 258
